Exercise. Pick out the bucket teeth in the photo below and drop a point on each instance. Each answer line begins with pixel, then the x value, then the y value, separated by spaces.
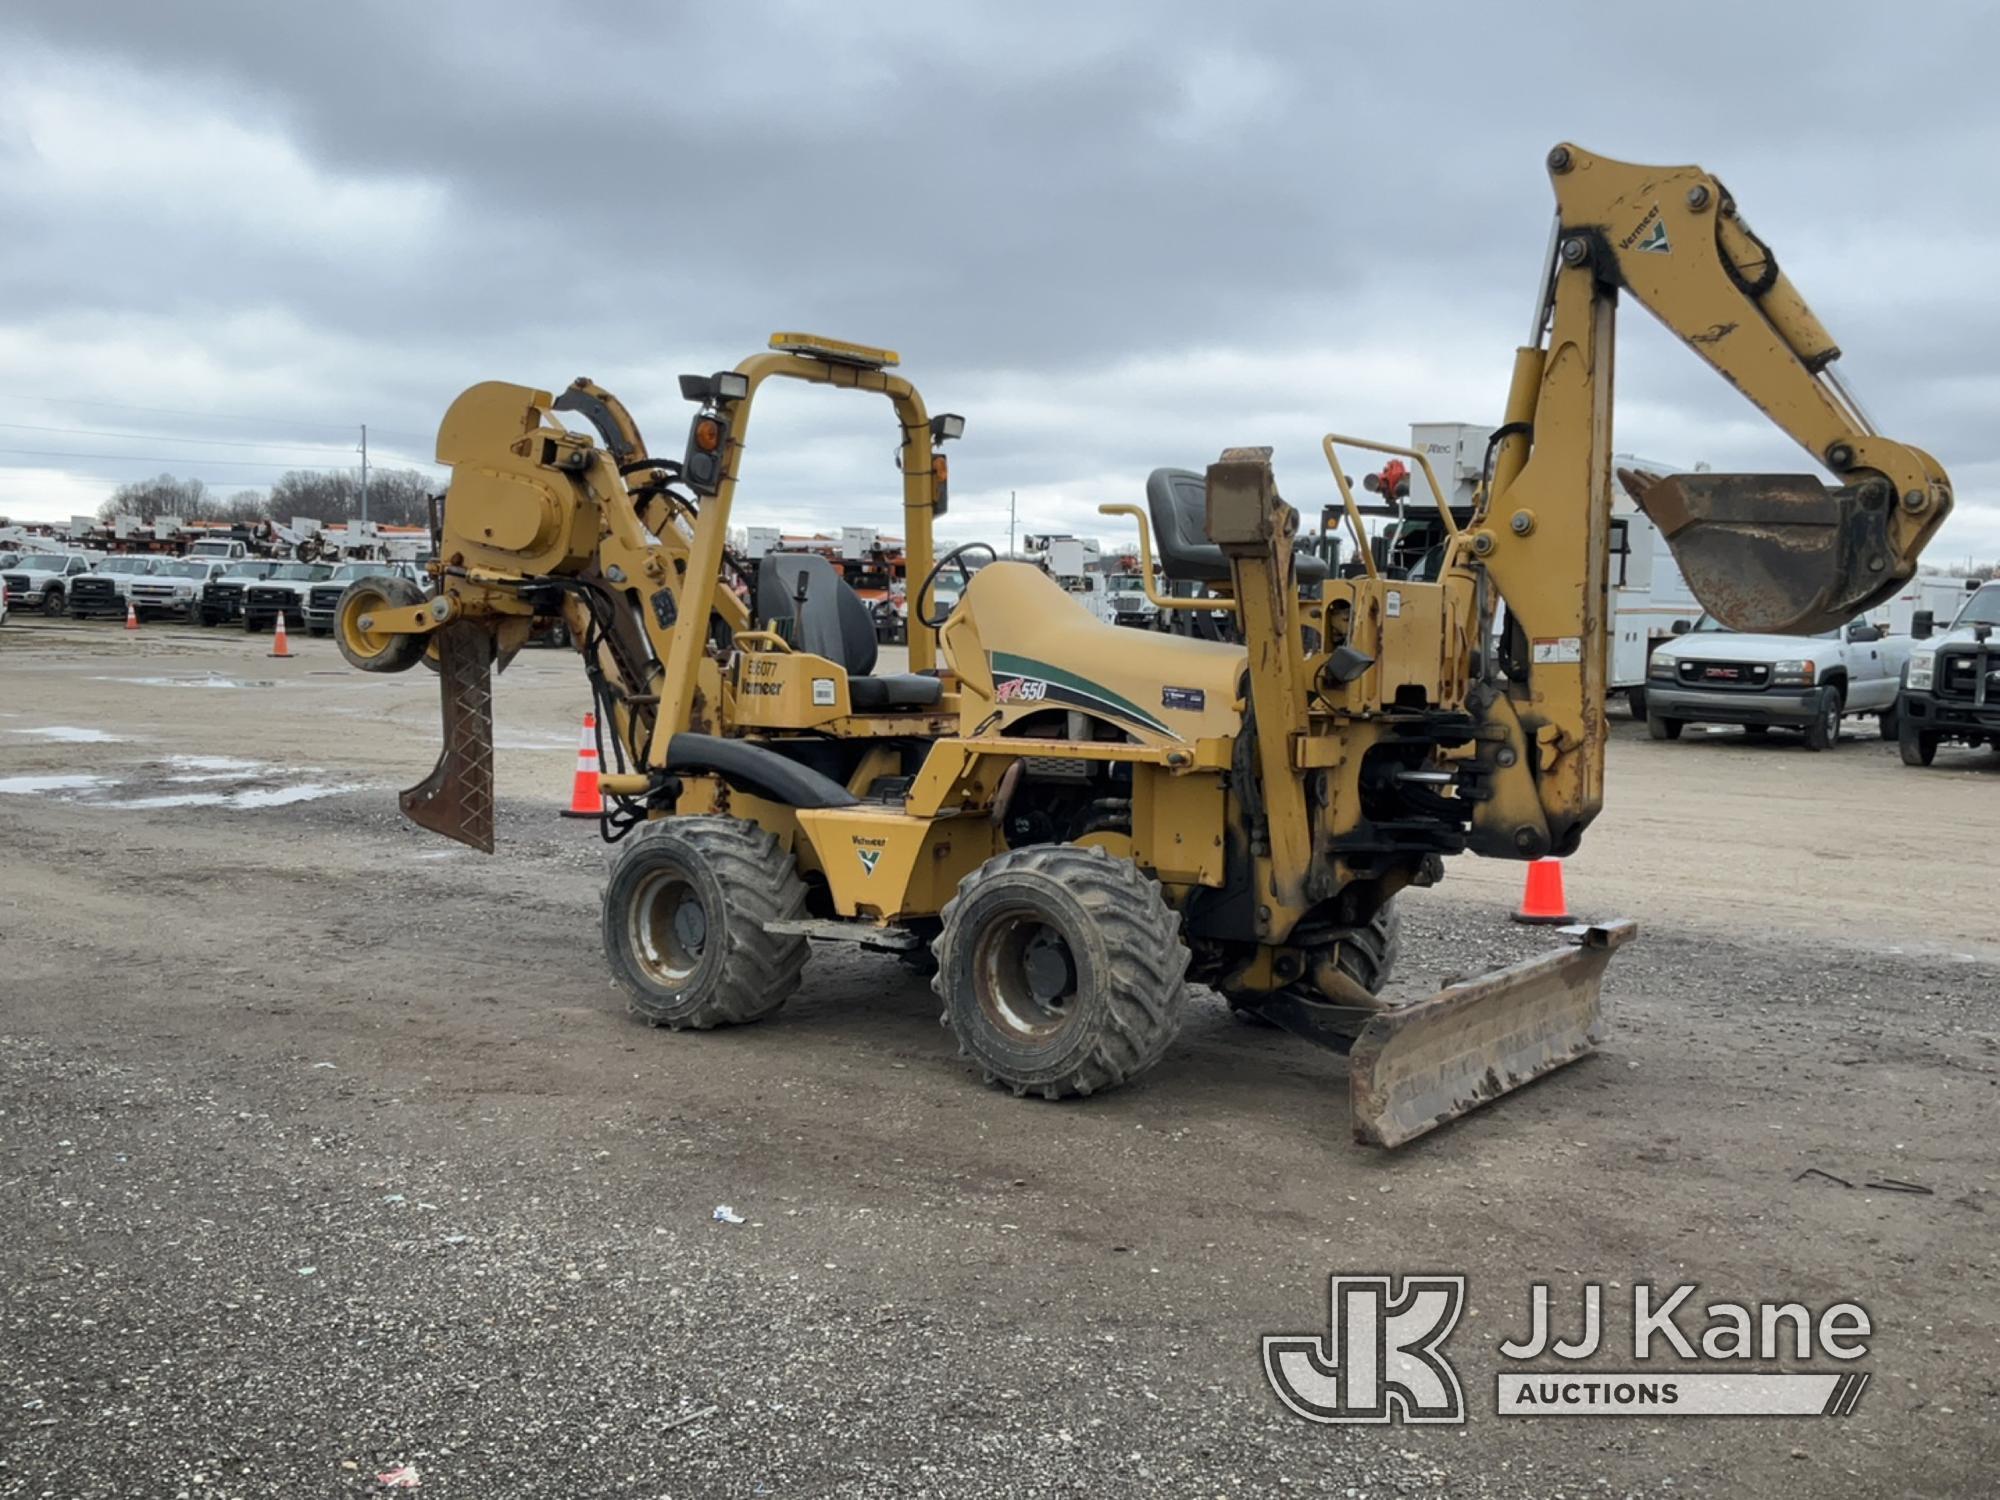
pixel 456 799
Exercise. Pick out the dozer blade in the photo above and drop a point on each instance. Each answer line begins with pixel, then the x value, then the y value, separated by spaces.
pixel 1417 1066
pixel 1776 553
pixel 456 799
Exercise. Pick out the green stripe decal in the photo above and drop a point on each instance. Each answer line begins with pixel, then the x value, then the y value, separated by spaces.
pixel 1006 664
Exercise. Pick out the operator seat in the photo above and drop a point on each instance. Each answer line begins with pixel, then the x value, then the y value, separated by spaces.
pixel 832 622
pixel 1178 500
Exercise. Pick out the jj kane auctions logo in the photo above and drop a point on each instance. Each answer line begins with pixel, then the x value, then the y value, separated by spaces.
pixel 1382 1357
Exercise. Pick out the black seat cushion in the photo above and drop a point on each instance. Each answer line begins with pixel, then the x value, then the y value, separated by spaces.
pixel 1178 501
pixel 905 690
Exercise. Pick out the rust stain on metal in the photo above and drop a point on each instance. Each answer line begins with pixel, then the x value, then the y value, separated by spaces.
pixel 1772 552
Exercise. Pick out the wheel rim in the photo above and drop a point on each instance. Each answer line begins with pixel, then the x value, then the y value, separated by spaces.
pixel 668 928
pixel 356 603
pixel 1024 976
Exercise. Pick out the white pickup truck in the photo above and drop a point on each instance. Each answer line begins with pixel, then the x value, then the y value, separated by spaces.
pixel 1710 675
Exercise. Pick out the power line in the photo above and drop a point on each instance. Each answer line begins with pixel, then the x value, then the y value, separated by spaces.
pixel 142 458
pixel 171 411
pixel 162 437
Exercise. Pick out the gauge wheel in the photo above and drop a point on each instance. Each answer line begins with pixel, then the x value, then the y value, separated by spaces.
pixel 1061 970
pixel 685 923
pixel 370 650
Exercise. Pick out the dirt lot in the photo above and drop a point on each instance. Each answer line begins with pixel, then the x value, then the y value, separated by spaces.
pixel 326 1145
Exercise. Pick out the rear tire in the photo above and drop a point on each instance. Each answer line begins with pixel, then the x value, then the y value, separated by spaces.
pixel 1663 729
pixel 1823 733
pixel 684 917
pixel 1889 721
pixel 1917 747
pixel 1635 702
pixel 1061 970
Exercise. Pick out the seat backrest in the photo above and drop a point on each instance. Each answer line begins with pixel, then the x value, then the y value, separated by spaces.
pixel 831 622
pixel 1178 500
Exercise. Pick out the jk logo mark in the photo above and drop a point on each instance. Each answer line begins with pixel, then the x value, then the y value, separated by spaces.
pixel 1379 1361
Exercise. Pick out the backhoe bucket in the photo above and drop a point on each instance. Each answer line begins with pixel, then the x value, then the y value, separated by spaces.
pixel 456 799
pixel 1417 1066
pixel 1777 553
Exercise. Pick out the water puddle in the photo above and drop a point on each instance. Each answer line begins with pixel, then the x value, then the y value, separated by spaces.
pixel 210 681
pixel 69 734
pixel 253 797
pixel 31 786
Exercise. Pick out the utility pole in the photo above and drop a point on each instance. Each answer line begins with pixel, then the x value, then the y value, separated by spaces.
pixel 1010 523
pixel 364 473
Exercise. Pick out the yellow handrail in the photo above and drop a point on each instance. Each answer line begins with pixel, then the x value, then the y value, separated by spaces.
pixel 1159 601
pixel 1347 491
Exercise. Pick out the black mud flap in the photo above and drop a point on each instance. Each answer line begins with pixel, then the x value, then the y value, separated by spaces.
pixel 1775 553
pixel 456 799
pixel 1418 1066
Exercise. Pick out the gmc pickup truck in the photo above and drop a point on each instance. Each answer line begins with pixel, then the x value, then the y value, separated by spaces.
pixel 1764 682
pixel 1951 688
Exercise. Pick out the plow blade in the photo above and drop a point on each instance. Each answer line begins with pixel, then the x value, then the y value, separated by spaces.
pixel 1415 1067
pixel 1776 553
pixel 456 799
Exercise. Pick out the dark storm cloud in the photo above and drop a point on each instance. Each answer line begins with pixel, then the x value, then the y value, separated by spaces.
pixel 1112 237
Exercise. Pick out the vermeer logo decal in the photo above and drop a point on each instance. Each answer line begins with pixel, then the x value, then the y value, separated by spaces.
pixel 1650 235
pixel 870 851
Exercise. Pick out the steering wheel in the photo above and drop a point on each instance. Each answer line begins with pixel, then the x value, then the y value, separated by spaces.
pixel 957 556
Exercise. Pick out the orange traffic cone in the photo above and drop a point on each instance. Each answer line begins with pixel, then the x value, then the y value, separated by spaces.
pixel 281 644
pixel 1542 903
pixel 586 798
pixel 131 616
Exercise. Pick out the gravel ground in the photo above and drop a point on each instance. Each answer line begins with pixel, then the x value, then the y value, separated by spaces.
pixel 325 1148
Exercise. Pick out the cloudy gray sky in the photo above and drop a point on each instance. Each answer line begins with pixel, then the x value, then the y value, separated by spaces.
pixel 1113 237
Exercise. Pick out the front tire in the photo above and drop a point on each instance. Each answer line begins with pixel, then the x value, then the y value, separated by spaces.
pixel 684 923
pixel 52 602
pixel 1061 970
pixel 1663 729
pixel 1823 732
pixel 1917 748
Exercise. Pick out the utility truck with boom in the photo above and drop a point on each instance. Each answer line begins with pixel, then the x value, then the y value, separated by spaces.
pixel 1069 821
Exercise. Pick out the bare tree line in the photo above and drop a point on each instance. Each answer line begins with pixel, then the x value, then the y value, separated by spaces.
pixel 396 497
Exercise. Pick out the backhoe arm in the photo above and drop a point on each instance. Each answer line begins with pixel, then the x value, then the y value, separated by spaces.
pixel 1777 553
pixel 1772 553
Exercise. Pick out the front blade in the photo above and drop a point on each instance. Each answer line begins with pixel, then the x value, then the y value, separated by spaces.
pixel 1415 1067
pixel 456 799
pixel 1776 553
